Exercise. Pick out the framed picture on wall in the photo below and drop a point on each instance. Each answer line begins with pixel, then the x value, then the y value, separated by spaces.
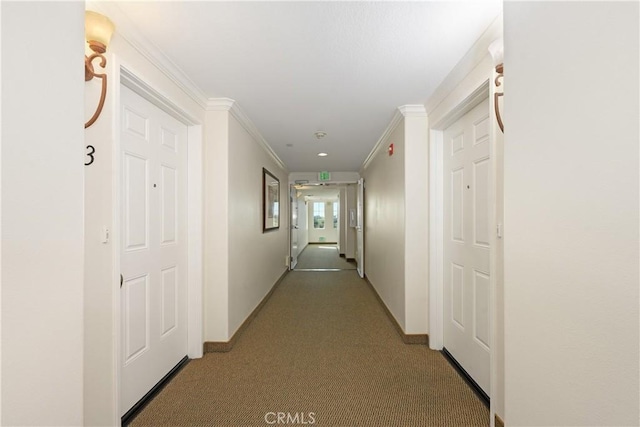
pixel 270 201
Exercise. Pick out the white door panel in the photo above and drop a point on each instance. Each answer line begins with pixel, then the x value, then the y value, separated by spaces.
pixel 136 331
pixel 467 168
pixel 170 303
pixel 154 251
pixel 169 203
pixel 136 201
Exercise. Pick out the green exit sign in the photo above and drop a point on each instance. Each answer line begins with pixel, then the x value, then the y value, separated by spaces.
pixel 324 176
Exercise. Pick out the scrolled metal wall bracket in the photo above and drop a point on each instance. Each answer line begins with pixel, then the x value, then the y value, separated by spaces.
pixel 89 74
pixel 497 95
pixel 98 31
pixel 496 49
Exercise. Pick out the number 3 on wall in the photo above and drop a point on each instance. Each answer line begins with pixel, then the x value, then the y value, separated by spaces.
pixel 92 150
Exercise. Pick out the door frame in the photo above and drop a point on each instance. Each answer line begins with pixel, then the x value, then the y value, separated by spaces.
pixel 292 193
pixel 292 185
pixel 124 75
pixel 360 208
pixel 467 100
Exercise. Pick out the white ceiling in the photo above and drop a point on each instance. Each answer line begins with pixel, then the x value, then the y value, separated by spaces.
pixel 299 67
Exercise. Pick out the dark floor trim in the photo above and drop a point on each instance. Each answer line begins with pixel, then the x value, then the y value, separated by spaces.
pixel 225 346
pixel 139 406
pixel 406 338
pixel 499 422
pixel 465 375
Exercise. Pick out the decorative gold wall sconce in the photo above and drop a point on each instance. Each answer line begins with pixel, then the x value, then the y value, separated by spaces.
pixel 496 49
pixel 98 31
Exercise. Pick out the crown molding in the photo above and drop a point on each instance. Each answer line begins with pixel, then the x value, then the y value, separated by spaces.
pixel 220 104
pixel 232 106
pixel 126 29
pixel 410 110
pixel 474 56
pixel 142 88
pixel 395 121
pixel 417 110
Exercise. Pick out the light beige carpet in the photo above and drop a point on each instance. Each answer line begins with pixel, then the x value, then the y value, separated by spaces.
pixel 321 350
pixel 323 255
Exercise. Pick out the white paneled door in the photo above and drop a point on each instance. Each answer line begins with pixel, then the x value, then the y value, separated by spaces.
pixel 153 246
pixel 466 243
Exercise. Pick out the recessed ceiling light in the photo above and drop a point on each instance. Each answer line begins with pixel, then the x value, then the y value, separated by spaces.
pixel 322 154
pixel 320 134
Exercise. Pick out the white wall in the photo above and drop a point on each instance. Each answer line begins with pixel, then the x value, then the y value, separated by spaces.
pixel 396 219
pixel 42 213
pixel 0 219
pixel 384 205
pixel 416 189
pixel 571 213
pixel 100 287
pixel 256 259
pixel 497 394
pixel 216 229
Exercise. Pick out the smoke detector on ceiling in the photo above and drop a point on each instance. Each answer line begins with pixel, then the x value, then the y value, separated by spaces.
pixel 320 134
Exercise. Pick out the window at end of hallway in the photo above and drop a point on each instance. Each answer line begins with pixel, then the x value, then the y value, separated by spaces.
pixel 318 215
pixel 335 214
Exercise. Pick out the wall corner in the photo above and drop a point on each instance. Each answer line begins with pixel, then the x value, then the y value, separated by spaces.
pixel 416 188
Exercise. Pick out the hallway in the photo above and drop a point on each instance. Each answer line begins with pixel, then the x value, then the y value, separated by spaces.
pixel 325 94
pixel 321 347
pixel 323 256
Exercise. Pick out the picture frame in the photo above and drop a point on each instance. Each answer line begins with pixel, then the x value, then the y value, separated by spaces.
pixel 270 201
